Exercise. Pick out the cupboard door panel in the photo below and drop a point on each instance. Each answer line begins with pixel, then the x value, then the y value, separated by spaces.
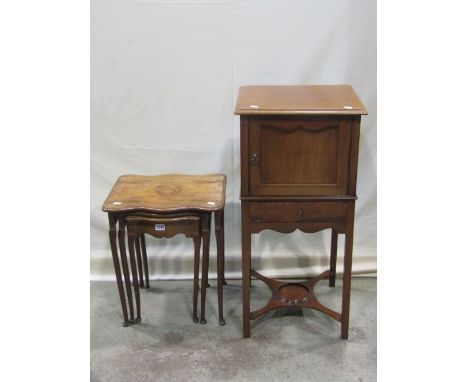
pixel 298 156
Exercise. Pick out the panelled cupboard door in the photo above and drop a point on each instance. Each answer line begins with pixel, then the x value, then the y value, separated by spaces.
pixel 299 155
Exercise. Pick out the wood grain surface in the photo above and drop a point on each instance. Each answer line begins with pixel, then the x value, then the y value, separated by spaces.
pixel 300 99
pixel 298 155
pixel 166 193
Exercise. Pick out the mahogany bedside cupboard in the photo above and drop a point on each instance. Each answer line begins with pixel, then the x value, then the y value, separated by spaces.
pixel 299 154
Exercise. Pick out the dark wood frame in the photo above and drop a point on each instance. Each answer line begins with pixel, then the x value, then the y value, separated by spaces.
pixel 199 229
pixel 330 217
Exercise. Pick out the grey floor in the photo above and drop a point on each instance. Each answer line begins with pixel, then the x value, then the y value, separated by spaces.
pixel 287 344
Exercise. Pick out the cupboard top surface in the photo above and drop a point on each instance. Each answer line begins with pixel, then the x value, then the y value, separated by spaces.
pixel 298 100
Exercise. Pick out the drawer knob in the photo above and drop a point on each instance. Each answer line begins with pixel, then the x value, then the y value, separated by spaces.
pixel 254 158
pixel 300 214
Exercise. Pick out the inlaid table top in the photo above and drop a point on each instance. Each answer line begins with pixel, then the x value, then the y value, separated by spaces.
pixel 166 193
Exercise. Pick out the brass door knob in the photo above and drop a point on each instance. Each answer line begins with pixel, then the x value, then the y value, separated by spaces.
pixel 300 214
pixel 254 158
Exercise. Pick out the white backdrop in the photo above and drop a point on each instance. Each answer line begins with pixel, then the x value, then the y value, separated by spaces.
pixel 164 81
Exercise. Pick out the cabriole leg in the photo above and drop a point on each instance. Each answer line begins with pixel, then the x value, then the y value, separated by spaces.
pixel 145 260
pixel 139 261
pixel 220 263
pixel 123 256
pixel 222 259
pixel 205 262
pixel 196 271
pixel 118 273
pixel 136 286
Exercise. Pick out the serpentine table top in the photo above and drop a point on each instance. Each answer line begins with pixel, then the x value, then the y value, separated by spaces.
pixel 166 193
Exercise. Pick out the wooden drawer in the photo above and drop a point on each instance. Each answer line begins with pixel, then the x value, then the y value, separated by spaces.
pixel 297 211
pixel 164 227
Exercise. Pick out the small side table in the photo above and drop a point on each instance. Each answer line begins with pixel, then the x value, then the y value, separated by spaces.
pixel 163 206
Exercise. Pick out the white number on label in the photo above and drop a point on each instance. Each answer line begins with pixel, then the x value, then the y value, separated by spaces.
pixel 160 227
